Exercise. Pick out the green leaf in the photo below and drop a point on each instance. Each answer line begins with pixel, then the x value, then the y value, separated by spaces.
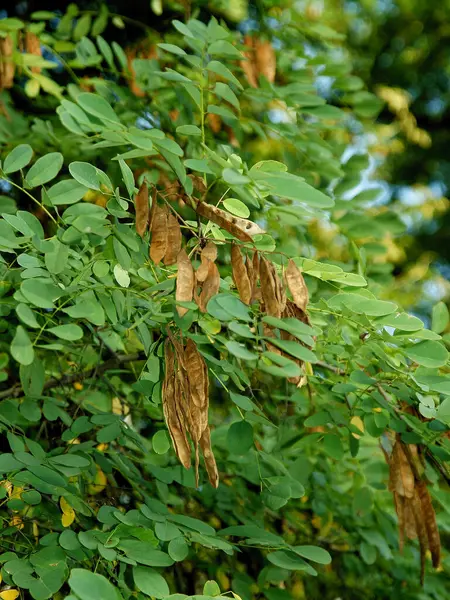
pixel 192 523
pixel 236 207
pixel 27 316
pixel 21 347
pixel 82 27
pixel 128 177
pixel 97 106
pixel 67 191
pixel 428 354
pixel 45 169
pixel 292 187
pixel 144 553
pixel 172 49
pixel 9 463
pixel 314 553
pixel 86 174
pixel 150 582
pixel 294 349
pixel 189 130
pixel 18 158
pixel 166 531
pixel 224 48
pixel 160 442
pixel 287 560
pixel 240 351
pixel 240 437
pixel 220 69
pixel 40 292
pixel 91 586
pixel 211 588
pixel 440 317
pixel 178 549
pixel 70 332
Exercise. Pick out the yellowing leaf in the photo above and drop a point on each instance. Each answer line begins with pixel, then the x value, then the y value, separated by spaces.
pixel 99 483
pixel 358 423
pixel 68 518
pixel 9 594
pixel 64 505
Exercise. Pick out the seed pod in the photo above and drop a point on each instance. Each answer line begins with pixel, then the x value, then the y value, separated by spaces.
pixel 248 65
pixel 240 275
pixel 197 373
pixel 158 245
pixel 185 281
pixel 171 401
pixel 174 238
pixel 242 229
pixel 33 46
pixel 210 287
pixel 429 518
pixel 269 288
pixel 265 60
pixel 297 285
pixel 421 532
pixel 208 455
pixel 208 255
pixel 399 502
pixel 142 209
pixel 7 66
pixel 401 476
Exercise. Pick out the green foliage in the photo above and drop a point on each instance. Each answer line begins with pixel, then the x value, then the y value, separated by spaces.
pixel 94 502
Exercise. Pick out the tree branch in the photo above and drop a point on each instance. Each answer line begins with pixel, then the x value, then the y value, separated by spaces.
pixel 121 359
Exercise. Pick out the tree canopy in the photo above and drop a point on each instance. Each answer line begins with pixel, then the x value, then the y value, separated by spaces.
pixel 210 383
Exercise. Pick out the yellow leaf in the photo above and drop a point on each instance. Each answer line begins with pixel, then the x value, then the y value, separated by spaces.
pixel 16 492
pixel 35 531
pixel 7 485
pixel 116 406
pixel 102 447
pixel 78 386
pixel 99 482
pixel 9 594
pixel 68 518
pixel 358 423
pixel 65 506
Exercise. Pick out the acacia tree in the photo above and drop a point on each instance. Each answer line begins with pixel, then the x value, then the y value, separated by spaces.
pixel 191 268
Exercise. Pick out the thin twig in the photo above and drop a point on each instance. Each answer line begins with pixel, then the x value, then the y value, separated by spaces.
pixel 325 365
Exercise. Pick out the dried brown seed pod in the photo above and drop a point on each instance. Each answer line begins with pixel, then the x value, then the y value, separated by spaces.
pixel 185 281
pixel 401 476
pixel 174 238
pixel 270 286
pixel 208 255
pixel 210 286
pixel 208 455
pixel 7 65
pixel 158 244
pixel 240 274
pixel 297 285
pixel 242 229
pixel 142 209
